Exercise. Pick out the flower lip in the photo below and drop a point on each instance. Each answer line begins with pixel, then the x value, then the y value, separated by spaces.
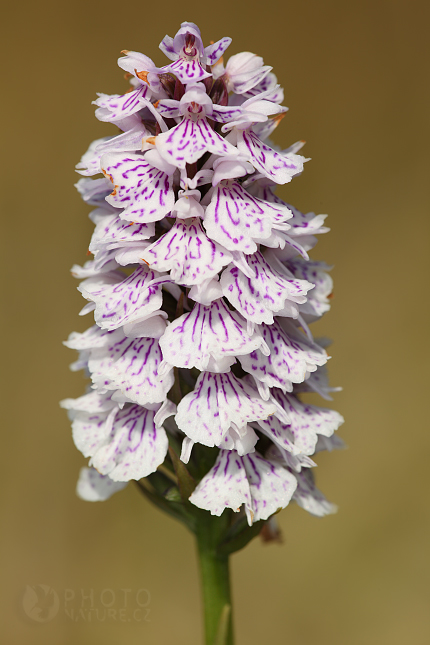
pixel 189 49
pixel 196 101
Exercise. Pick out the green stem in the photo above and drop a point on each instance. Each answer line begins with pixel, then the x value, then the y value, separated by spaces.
pixel 214 569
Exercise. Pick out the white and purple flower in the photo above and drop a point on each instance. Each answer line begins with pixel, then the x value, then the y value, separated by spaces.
pixel 202 289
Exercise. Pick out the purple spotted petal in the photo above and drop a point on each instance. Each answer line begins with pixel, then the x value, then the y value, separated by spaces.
pixel 225 485
pixel 224 114
pixel 89 339
pixel 188 253
pixel 235 219
pixel 309 497
pixel 263 486
pixel 188 71
pixel 206 336
pixel 244 71
pixel 291 358
pixel 134 448
pixel 94 191
pixel 214 52
pixel 168 48
pixel 104 262
pixel 188 141
pixel 121 302
pixel 113 108
pixel 271 487
pixel 90 161
pixel 90 429
pixel 270 163
pixel 112 232
pixel 133 369
pixel 142 190
pixel 318 301
pixel 305 422
pixel 267 292
pixel 218 400
pixel 93 487
pixel 94 401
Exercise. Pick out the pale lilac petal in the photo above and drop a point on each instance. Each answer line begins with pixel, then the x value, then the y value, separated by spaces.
pixel 134 370
pixel 135 63
pixel 135 447
pixel 168 48
pixel 129 141
pixel 113 108
pixel 235 219
pixel 119 302
pixel 270 163
pixel 112 232
pixel 188 71
pixel 225 485
pixel 244 71
pixel 93 487
pixel 218 400
pixel 104 262
pixel 89 339
pixel 188 141
pixel 318 301
pixel 90 429
pixel 230 168
pixel 188 253
pixel 309 497
pixel 267 292
pixel 214 52
pixel 206 292
pixel 271 486
pixel 263 486
pixel 329 443
pixel 94 191
pixel 291 358
pixel 142 190
pixel 306 421
pixel 226 113
pixel 93 401
pixel 90 161
pixel 207 331
pixel 242 440
pixel 168 108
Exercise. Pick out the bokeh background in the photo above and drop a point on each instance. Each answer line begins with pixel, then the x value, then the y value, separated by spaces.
pixel 356 82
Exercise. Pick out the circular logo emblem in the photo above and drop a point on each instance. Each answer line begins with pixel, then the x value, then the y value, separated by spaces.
pixel 40 603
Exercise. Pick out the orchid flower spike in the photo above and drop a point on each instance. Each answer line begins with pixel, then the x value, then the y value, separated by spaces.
pixel 202 292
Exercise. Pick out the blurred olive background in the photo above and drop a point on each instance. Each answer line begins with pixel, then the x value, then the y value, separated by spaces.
pixel 356 82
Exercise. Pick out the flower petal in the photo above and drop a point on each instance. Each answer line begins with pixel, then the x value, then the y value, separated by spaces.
pixel 188 253
pixel 225 485
pixel 267 292
pixel 189 140
pixel 119 302
pixel 291 358
pixel 135 447
pixel 270 163
pixel 218 400
pixel 309 497
pixel 207 331
pixel 113 108
pixel 271 486
pixel 112 232
pixel 235 219
pixel 93 487
pixel 142 190
pixel 134 370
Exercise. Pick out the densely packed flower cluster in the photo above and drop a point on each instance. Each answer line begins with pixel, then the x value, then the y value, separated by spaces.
pixel 202 289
